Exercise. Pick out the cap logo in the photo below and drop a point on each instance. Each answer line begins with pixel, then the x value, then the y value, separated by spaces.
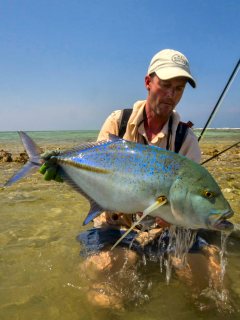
pixel 178 59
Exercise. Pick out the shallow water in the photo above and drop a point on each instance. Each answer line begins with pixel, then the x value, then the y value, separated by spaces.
pixel 40 273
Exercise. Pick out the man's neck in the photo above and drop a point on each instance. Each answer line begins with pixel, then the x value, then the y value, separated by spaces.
pixel 153 123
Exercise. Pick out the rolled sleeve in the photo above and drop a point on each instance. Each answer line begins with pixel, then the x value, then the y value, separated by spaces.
pixel 110 126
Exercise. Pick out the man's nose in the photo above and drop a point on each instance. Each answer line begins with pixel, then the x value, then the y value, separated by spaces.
pixel 170 92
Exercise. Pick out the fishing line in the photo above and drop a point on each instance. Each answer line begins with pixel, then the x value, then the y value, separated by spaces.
pixel 232 77
pixel 216 155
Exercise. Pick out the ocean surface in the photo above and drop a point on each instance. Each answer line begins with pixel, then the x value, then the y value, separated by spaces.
pixel 40 264
pixel 10 140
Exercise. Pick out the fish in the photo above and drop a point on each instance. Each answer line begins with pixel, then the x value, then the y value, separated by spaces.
pixel 128 177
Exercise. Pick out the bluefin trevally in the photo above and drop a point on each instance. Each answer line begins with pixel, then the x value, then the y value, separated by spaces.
pixel 128 177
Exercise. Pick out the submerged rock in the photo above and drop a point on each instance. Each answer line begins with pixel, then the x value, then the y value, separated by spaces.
pixel 21 158
pixel 5 156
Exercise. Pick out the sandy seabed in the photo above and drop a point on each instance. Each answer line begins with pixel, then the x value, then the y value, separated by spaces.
pixel 39 263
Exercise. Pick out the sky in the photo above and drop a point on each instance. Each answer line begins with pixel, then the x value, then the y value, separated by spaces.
pixel 67 64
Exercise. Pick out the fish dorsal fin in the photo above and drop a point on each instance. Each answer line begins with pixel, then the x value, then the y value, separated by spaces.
pixel 90 145
pixel 114 138
pixel 158 203
pixel 85 146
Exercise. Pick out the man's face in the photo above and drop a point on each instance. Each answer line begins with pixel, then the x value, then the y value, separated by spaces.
pixel 164 95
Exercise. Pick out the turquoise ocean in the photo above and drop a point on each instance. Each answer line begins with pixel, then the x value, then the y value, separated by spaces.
pixel 40 264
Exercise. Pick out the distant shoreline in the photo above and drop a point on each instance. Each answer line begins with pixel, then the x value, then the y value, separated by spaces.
pixel 60 130
pixel 97 130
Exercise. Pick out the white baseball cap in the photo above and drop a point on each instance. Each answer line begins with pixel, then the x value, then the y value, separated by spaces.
pixel 168 64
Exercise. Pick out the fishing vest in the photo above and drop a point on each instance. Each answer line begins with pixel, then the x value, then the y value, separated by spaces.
pixel 181 132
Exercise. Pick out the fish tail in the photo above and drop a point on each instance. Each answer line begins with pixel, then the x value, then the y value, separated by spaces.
pixel 34 162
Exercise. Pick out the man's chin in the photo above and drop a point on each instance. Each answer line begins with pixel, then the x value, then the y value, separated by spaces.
pixel 164 110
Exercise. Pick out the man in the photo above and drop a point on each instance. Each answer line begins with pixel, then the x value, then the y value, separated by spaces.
pixel 153 121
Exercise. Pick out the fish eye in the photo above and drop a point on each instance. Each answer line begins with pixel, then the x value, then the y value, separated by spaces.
pixel 208 194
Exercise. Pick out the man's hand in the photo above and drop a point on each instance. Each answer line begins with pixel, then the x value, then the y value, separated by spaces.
pixel 50 168
pixel 145 237
pixel 162 223
pixel 158 221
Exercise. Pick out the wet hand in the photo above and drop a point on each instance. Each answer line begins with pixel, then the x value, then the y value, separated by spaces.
pixel 158 221
pixel 146 237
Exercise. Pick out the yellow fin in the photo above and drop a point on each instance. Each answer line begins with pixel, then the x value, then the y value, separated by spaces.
pixel 158 203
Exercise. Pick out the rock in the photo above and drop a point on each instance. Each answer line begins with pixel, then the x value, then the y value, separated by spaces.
pixel 5 156
pixel 21 158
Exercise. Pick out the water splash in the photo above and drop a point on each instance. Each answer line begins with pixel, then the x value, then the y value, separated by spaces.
pixel 174 245
pixel 223 292
pixel 175 251
pixel 222 253
pixel 216 290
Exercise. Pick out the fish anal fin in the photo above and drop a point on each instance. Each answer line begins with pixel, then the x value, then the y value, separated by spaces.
pixel 94 211
pixel 161 200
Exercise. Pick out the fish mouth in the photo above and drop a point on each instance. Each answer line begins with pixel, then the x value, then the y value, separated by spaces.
pixel 222 224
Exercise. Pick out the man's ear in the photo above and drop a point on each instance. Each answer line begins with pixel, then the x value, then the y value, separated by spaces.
pixel 148 80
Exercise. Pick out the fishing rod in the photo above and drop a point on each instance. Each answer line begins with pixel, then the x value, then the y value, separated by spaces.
pixel 234 73
pixel 216 155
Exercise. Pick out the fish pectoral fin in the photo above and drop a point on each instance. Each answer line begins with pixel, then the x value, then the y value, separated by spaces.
pixel 158 203
pixel 94 211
